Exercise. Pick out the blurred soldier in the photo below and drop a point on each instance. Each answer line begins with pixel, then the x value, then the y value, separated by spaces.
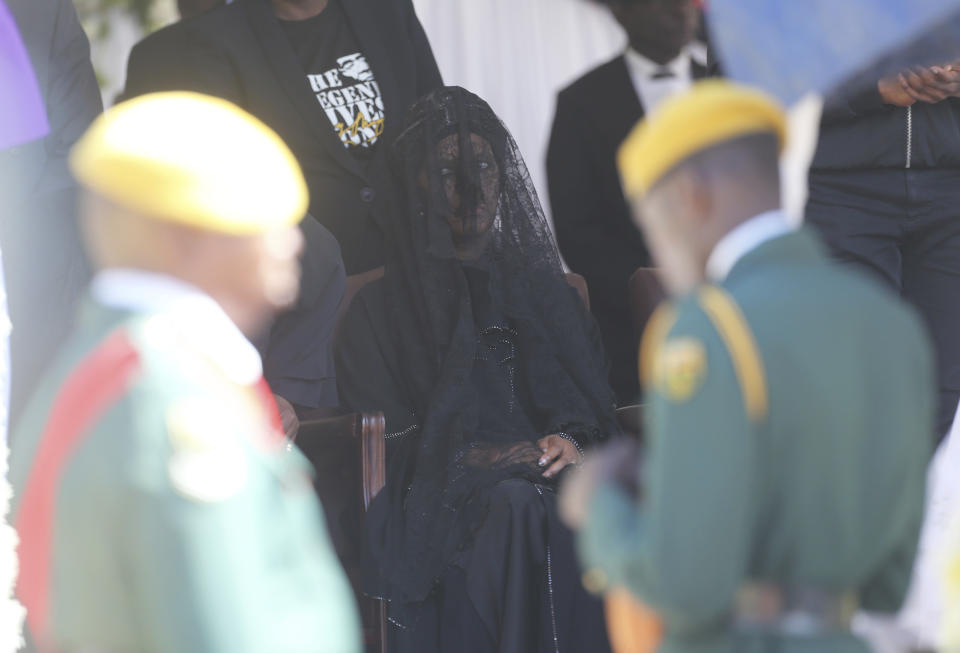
pixel 789 406
pixel 157 505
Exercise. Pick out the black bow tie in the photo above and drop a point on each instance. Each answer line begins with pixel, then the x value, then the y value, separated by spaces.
pixel 663 73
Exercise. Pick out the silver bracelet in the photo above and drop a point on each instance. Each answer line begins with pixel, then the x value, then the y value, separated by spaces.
pixel 400 434
pixel 569 438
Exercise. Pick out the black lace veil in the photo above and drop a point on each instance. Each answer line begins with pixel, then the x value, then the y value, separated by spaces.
pixel 471 209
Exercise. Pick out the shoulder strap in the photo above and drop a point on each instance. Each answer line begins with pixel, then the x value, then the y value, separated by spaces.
pixel 656 331
pixel 732 326
pixel 93 386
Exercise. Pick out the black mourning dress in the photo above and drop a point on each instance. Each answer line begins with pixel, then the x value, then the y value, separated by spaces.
pixel 472 362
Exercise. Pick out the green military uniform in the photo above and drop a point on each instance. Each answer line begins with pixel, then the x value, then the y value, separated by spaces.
pixel 789 418
pixel 176 518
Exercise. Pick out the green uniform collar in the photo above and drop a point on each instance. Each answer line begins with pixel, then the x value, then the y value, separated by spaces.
pixel 795 248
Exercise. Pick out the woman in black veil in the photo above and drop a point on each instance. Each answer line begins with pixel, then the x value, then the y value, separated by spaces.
pixel 493 380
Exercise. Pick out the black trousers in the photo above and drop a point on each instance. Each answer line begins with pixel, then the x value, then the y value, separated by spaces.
pixel 903 226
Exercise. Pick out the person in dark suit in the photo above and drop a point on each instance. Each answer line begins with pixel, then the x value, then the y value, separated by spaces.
pixel 44 264
pixel 594 114
pixel 332 77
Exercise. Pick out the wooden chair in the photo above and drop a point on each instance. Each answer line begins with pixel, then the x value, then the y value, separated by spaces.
pixel 646 293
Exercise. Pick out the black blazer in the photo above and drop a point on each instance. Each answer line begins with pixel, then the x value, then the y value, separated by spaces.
pixel 595 232
pixel 240 53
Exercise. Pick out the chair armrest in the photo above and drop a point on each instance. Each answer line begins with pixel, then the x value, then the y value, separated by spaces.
pixel 373 455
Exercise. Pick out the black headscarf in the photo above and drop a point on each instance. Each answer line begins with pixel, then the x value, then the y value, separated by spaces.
pixel 455 157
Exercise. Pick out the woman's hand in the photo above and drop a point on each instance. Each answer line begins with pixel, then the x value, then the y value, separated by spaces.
pixel 557 453
pixel 617 463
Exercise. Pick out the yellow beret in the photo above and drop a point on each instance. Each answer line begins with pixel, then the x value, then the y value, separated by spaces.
pixel 712 112
pixel 192 159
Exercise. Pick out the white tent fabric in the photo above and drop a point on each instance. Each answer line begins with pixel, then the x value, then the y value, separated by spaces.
pixel 517 54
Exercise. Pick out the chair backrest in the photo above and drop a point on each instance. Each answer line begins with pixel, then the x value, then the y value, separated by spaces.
pixel 646 293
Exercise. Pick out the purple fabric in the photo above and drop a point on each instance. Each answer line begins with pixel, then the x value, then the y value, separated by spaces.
pixel 23 117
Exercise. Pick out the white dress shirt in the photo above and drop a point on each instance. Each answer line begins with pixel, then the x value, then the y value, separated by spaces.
pixel 743 239
pixel 190 311
pixel 655 83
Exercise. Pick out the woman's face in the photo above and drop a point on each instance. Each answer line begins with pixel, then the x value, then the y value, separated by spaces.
pixel 469 223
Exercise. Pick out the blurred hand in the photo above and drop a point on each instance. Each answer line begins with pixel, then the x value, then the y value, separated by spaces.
pixel 557 453
pixel 618 462
pixel 930 85
pixel 291 423
pixel 577 490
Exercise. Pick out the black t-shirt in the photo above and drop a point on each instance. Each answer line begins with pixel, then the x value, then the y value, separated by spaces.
pixel 339 76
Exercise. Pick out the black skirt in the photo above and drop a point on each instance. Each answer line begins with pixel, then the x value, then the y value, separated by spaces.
pixel 515 589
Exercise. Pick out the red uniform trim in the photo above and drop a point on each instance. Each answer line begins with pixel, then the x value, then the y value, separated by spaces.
pixel 95 385
pixel 265 395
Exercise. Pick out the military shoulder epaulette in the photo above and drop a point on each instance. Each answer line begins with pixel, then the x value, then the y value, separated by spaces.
pixel 678 366
pixel 728 320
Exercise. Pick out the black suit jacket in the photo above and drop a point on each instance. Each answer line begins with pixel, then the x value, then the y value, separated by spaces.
pixel 239 52
pixel 44 264
pixel 594 228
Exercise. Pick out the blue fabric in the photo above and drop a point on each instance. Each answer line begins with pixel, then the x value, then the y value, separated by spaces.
pixel 789 48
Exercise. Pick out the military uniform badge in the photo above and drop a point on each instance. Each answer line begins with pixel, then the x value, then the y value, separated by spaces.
pixel 682 368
